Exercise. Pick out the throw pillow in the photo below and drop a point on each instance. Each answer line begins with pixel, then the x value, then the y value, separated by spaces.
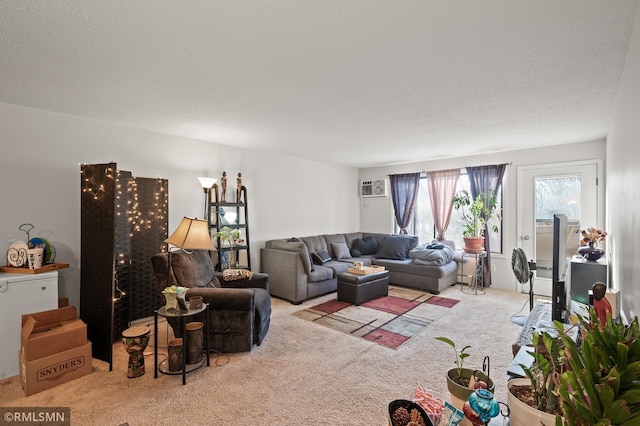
pixel 394 247
pixel 320 257
pixel 341 251
pixel 355 253
pixel 366 246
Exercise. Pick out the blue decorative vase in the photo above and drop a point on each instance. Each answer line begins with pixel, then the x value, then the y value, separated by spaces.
pixel 484 404
pixel 591 252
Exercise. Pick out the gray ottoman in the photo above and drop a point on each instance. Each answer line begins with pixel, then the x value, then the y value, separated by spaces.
pixel 358 289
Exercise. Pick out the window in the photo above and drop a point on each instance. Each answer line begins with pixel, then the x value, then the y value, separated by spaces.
pixel 423 225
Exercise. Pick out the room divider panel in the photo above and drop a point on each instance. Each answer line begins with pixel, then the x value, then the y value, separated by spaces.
pixel 123 223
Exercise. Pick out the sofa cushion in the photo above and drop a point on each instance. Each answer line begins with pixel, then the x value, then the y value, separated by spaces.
pixel 338 267
pixel 395 247
pixel 340 251
pixel 321 273
pixel 315 244
pixel 366 261
pixel 320 257
pixel 330 239
pixel 298 247
pixel 351 237
pixel 407 266
pixel 364 246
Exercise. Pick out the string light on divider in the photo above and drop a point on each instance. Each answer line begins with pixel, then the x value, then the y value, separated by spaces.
pixel 91 185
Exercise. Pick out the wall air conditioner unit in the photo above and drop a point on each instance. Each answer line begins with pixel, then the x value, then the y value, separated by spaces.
pixel 373 188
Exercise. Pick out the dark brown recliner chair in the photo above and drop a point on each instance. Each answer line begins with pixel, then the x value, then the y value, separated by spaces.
pixel 239 310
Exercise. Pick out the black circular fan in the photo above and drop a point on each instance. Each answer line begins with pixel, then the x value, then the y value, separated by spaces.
pixel 520 265
pixel 523 270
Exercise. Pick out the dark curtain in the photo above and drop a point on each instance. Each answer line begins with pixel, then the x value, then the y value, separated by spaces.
pixel 404 193
pixel 486 179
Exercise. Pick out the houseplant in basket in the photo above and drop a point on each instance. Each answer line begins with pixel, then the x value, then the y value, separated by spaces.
pixel 602 386
pixel 476 212
pixel 461 382
pixel 534 400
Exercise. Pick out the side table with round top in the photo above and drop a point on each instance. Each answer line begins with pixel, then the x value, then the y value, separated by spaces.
pixel 359 288
pixel 163 366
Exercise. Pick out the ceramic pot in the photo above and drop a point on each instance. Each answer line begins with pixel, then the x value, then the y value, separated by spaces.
pixel 194 342
pixel 171 300
pixel 473 244
pixel 521 414
pixel 175 355
pixel 460 394
pixel 591 252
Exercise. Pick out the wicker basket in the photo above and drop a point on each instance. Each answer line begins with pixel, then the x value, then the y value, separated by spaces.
pixel 408 405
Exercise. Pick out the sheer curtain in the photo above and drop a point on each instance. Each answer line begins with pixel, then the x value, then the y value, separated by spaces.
pixel 404 192
pixel 442 188
pixel 485 179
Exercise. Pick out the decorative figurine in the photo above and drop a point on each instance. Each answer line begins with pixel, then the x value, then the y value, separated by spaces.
pixel 600 303
pixel 223 184
pixel 239 189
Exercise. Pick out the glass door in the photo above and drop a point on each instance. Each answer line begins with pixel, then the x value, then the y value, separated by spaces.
pixel 569 188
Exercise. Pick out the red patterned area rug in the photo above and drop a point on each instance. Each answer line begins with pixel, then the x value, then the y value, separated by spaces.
pixel 388 321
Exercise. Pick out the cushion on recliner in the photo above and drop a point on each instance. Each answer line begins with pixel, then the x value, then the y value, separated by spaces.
pixel 193 269
pixel 394 247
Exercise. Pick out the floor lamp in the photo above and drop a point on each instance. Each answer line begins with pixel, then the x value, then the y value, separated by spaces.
pixel 207 183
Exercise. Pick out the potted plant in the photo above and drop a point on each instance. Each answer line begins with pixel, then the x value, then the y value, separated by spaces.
pixel 461 382
pixel 230 236
pixel 602 386
pixel 476 212
pixel 534 400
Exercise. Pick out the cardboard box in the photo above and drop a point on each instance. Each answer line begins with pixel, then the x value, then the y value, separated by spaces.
pixel 49 332
pixel 54 370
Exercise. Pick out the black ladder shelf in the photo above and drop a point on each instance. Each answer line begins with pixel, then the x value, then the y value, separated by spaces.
pixel 217 221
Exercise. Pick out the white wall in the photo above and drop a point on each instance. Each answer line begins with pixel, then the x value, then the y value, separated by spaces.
pixel 623 178
pixel 377 214
pixel 40 154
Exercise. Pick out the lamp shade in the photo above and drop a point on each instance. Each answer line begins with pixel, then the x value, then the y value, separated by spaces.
pixel 191 234
pixel 206 182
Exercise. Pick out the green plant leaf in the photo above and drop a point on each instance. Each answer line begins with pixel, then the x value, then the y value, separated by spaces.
pixel 618 412
pixel 632 396
pixel 447 341
pixel 605 396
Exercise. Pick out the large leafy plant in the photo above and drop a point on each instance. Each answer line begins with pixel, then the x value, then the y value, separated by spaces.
pixel 603 385
pixel 476 212
pixel 230 235
pixel 546 368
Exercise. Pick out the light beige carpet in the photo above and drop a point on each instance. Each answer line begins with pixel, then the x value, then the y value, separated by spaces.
pixel 302 374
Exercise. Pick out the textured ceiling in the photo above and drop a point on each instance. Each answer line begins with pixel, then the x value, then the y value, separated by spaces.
pixel 359 83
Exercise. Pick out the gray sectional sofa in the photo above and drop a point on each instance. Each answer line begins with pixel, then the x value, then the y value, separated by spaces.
pixel 297 270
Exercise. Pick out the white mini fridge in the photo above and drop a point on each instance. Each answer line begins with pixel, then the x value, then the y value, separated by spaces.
pixel 21 294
